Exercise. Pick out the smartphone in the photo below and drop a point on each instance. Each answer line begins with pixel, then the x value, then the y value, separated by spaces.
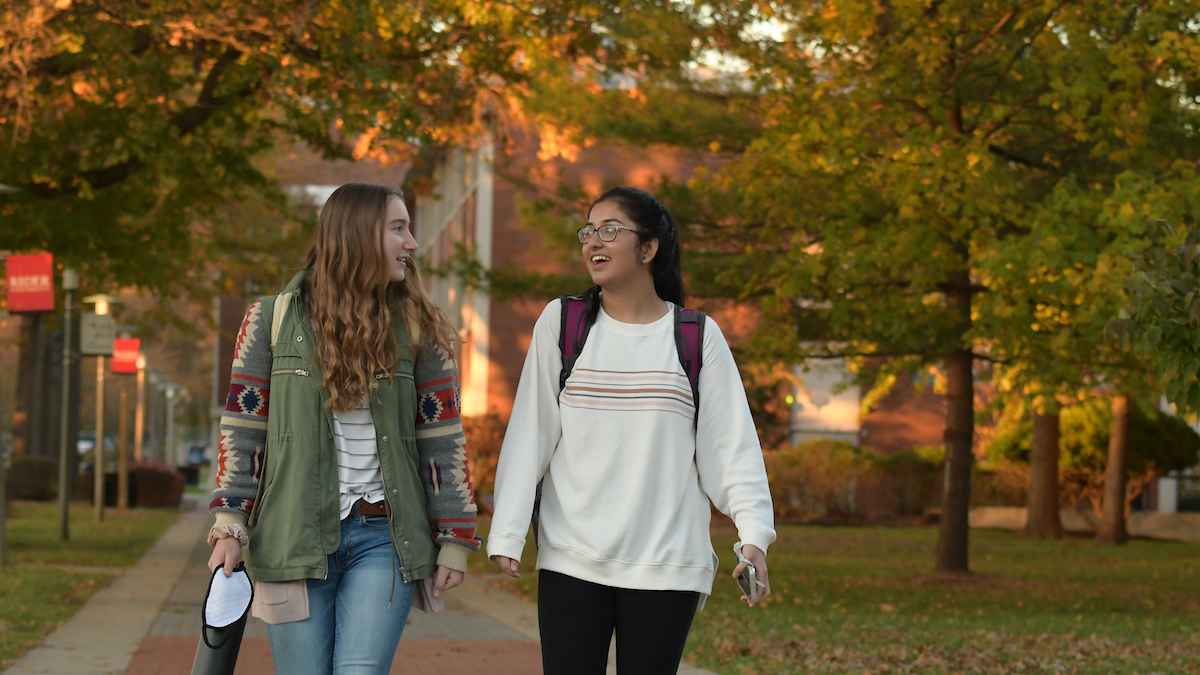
pixel 748 583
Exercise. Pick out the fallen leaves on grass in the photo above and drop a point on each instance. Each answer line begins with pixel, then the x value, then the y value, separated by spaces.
pixel 988 654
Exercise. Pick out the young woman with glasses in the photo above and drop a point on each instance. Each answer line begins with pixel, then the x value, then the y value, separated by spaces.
pixel 628 468
pixel 342 472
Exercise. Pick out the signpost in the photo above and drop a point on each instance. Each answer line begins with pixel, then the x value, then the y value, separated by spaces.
pixel 125 355
pixel 97 333
pixel 124 362
pixel 30 282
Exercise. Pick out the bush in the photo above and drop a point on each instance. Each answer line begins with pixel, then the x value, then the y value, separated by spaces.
pixel 156 484
pixel 815 479
pixel 485 435
pixel 836 481
pixel 908 483
pixel 32 478
pixel 151 484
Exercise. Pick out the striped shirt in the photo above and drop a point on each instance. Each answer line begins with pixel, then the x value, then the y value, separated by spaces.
pixel 654 390
pixel 359 476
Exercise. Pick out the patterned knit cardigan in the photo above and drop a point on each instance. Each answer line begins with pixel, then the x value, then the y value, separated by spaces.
pixel 441 446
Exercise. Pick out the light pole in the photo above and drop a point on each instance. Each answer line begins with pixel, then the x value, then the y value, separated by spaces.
pixel 169 450
pixel 70 283
pixel 102 303
pixel 154 413
pixel 140 409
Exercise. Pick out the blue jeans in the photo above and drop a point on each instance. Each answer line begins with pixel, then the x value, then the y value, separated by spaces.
pixel 350 630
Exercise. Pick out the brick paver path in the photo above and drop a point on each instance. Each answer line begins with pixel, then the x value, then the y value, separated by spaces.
pixel 173 655
pixel 428 646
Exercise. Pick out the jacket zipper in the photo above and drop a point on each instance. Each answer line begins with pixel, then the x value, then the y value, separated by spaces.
pixel 253 519
pixel 303 373
pixel 391 530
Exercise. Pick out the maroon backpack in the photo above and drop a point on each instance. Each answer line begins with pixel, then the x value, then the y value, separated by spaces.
pixel 577 319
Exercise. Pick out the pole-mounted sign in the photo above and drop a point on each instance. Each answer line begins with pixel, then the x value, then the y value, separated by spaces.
pixel 97 332
pixel 125 355
pixel 30 282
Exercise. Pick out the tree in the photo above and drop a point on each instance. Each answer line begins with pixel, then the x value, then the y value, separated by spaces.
pixel 910 163
pixel 126 123
pixel 1162 320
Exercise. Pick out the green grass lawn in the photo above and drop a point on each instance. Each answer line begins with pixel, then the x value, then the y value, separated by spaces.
pixel 48 581
pixel 863 600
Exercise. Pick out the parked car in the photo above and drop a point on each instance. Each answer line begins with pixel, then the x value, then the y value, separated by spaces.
pixel 86 443
pixel 197 455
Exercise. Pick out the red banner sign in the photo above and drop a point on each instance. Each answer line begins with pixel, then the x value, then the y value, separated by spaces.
pixel 30 282
pixel 124 356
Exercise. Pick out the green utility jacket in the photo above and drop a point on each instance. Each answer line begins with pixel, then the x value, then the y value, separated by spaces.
pixel 295 522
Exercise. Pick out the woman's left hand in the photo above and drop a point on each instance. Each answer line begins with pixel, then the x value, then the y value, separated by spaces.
pixel 446 579
pixel 755 557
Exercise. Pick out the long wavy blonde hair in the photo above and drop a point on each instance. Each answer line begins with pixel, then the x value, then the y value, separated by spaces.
pixel 352 299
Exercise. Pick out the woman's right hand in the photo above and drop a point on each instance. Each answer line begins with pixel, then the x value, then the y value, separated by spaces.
pixel 227 551
pixel 506 565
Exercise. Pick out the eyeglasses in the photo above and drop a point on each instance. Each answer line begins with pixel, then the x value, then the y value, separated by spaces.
pixel 607 232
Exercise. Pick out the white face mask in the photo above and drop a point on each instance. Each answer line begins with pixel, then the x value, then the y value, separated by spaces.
pixel 228 598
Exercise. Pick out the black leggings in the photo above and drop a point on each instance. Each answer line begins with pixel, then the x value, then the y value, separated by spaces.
pixel 576 619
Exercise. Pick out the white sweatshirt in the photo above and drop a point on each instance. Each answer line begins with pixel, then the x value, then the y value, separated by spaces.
pixel 628 480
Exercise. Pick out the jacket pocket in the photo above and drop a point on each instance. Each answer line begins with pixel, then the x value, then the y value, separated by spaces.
pixel 259 500
pixel 278 602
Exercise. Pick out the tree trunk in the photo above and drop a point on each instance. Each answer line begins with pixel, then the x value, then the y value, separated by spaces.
pixel 1112 525
pixel 959 435
pixel 1043 521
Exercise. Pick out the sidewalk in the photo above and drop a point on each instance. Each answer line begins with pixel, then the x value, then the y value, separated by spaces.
pixel 147 623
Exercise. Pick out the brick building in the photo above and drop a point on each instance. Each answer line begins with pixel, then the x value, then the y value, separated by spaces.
pixel 474 203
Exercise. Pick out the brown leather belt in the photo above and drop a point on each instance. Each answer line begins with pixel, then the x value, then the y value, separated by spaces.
pixel 368 509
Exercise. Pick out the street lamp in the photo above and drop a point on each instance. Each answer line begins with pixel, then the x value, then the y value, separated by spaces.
pixel 70 283
pixel 170 453
pixel 140 409
pixel 103 346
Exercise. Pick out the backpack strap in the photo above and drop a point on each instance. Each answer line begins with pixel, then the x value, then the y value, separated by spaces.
pixel 282 301
pixel 573 332
pixel 689 343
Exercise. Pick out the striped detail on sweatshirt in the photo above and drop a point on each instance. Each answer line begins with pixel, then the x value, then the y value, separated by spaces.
pixel 359 475
pixel 644 390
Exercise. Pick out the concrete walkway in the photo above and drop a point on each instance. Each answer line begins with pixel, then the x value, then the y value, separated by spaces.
pixel 148 623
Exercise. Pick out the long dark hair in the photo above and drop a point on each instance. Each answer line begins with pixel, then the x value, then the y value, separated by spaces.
pixel 656 222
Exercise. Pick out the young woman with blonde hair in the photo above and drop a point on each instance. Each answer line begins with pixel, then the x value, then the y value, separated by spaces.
pixel 342 473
